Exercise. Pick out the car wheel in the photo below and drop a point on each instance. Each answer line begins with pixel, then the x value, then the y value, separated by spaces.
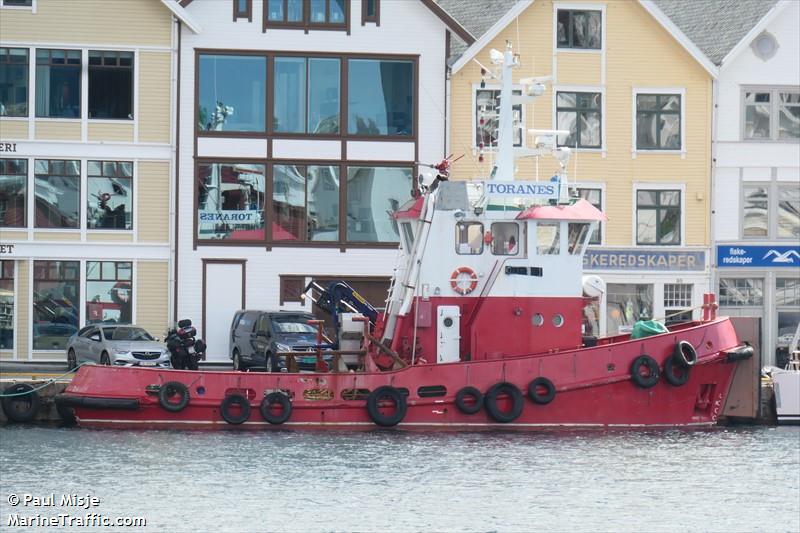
pixel 237 362
pixel 72 360
pixel 105 359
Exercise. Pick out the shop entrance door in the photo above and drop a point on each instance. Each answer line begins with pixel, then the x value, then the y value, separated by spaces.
pixel 223 295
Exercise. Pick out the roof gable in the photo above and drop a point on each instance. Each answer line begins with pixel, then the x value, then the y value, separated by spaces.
pixel 458 7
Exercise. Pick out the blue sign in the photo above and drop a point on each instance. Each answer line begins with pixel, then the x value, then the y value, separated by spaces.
pixel 732 256
pixel 650 260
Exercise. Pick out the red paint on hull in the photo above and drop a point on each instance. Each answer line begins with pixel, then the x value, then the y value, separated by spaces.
pixel 593 386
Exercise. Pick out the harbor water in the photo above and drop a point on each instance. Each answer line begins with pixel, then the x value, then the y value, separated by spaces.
pixel 721 479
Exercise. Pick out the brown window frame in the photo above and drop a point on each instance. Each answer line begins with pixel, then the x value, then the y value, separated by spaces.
pixel 365 17
pixel 270 133
pixel 306 25
pixel 287 292
pixel 342 243
pixel 246 14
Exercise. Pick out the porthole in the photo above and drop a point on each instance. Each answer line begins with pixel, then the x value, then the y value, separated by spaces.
pixel 764 46
pixel 558 320
pixel 448 322
pixel 537 319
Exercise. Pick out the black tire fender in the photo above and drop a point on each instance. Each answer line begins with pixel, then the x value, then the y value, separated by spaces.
pixel 173 388
pixel 685 354
pixel 490 402
pixel 383 393
pixel 276 398
pixel 650 380
pixel 24 407
pixel 231 400
pixel 469 408
pixel 538 397
pixel 675 372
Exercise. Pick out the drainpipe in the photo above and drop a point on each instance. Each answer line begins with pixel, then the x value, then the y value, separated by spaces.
pixel 714 270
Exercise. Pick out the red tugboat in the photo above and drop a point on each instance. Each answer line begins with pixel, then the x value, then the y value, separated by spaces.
pixel 483 328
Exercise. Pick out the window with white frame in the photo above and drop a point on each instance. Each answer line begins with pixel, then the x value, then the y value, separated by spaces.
pixel 658 217
pixel 487 115
pixel 579 113
pixel 677 302
pixel 579 28
pixel 14 82
pixel 770 210
pixel 16 3
pixel 771 114
pixel 111 85
pixel 658 121
pixel 741 292
pixel 58 83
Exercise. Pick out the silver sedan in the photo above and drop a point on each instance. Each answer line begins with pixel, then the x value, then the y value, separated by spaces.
pixel 117 345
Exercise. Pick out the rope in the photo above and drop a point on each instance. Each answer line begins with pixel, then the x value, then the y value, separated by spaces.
pixel 40 387
pixel 663 319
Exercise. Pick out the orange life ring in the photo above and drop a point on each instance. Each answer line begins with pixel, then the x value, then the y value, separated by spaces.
pixel 455 278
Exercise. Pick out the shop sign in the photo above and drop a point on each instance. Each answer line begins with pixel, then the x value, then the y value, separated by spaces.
pixel 758 256
pixel 231 217
pixel 650 260
pixel 10 148
pixel 521 189
pixel 6 249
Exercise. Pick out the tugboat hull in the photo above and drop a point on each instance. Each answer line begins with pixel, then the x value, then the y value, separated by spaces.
pixel 591 387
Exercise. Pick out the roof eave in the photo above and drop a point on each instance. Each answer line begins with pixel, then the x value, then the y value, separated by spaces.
pixel 755 31
pixel 450 22
pixel 681 37
pixel 181 14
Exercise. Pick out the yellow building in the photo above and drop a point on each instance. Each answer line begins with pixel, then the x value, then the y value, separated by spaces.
pixel 86 166
pixel 636 97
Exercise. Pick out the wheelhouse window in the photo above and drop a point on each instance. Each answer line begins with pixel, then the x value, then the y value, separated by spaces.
pixel 56 297
pixel 231 93
pixel 231 200
pixel 505 238
pixel 58 83
pixel 109 292
pixel 14 82
pixel 771 114
pixel 243 9
pixel 111 85
pixel 373 193
pixel 13 193
pixel 307 95
pixel 370 11
pixel 469 238
pixel 580 114
pixel 576 236
pixel 658 217
pixel 548 238
pixel 487 117
pixel 331 14
pixel 6 305
pixel 658 121
pixel 380 97
pixel 579 29
pixel 57 185
pixel 594 197
pixel 305 203
pixel 110 195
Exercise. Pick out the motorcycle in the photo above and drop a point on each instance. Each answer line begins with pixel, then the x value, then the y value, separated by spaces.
pixel 185 351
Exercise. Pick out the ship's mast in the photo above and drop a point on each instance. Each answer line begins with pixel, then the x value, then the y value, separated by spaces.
pixel 505 141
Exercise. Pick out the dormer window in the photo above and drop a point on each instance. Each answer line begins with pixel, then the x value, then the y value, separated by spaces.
pixel 307 14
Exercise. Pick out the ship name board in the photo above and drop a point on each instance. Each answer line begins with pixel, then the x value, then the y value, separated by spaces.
pixel 521 189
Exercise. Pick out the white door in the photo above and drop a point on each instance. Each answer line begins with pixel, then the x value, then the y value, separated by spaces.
pixel 223 285
pixel 447 332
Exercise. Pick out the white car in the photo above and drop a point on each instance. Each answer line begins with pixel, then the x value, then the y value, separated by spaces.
pixel 117 345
